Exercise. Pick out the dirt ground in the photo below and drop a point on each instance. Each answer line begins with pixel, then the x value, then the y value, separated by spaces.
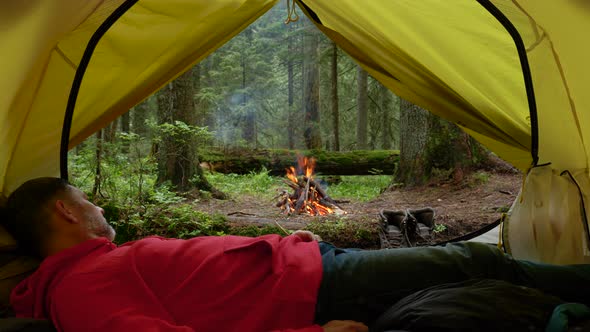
pixel 460 208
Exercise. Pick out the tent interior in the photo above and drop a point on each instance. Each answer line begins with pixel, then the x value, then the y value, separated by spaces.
pixel 511 73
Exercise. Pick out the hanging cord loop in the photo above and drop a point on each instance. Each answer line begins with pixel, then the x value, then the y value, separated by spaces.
pixel 292 16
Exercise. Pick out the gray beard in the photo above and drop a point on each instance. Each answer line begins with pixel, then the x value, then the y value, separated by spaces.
pixel 101 228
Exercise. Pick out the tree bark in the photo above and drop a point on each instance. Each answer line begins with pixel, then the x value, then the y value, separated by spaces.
pixel 164 150
pixel 110 131
pixel 178 161
pixel 334 97
pixel 362 113
pixel 386 110
pixel 276 161
pixel 428 143
pixel 413 138
pixel 125 122
pixel 125 126
pixel 311 100
pixel 185 165
pixel 290 89
pixel 201 108
pixel 450 148
pixel 249 131
pixel 97 170
pixel 139 115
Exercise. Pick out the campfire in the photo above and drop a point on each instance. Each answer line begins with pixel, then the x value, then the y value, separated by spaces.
pixel 308 196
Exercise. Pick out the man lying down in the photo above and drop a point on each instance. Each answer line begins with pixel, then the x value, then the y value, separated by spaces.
pixel 230 283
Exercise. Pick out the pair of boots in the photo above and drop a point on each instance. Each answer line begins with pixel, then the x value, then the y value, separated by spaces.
pixel 404 227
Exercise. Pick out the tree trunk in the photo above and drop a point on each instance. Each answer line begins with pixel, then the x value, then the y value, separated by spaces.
pixel 201 109
pixel 184 167
pixel 249 131
pixel 139 115
pixel 205 80
pixel 178 161
pixel 311 100
pixel 428 142
pixel 450 148
pixel 290 89
pixel 97 170
pixel 413 139
pixel 362 114
pixel 334 97
pixel 125 124
pixel 386 110
pixel 110 131
pixel 164 150
pixel 241 161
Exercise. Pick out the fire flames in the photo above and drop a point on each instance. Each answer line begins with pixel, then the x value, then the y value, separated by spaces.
pixel 308 197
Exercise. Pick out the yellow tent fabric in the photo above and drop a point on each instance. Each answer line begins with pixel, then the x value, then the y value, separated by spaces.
pixel 438 56
pixel 452 57
pixel 43 42
pixel 456 60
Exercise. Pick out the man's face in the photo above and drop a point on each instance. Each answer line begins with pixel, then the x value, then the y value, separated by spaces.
pixel 90 216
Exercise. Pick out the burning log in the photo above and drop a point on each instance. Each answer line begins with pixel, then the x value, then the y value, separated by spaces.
pixel 308 196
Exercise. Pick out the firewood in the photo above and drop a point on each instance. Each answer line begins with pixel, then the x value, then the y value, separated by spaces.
pixel 290 183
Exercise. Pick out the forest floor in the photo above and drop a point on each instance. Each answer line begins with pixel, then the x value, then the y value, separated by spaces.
pixel 460 208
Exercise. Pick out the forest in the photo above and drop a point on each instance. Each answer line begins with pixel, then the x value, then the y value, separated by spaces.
pixel 228 128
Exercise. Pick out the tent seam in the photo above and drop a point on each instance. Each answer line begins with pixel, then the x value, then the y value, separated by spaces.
pixel 537 42
pixel 20 132
pixel 66 59
pixel 569 96
pixel 563 80
pixel 534 24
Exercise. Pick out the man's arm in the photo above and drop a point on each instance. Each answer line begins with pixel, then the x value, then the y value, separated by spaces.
pixel 344 326
pixel 307 236
pixel 334 326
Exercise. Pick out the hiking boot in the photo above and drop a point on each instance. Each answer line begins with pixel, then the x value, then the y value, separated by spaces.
pixel 392 220
pixel 425 219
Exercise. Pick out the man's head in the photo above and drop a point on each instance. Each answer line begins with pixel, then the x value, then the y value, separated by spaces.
pixel 46 215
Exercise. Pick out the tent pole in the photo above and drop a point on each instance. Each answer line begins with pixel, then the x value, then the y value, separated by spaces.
pixel 526 72
pixel 77 82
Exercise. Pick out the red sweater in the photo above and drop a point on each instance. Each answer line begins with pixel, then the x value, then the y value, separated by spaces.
pixel 224 284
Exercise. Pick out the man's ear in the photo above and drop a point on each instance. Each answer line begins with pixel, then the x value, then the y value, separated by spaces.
pixel 63 210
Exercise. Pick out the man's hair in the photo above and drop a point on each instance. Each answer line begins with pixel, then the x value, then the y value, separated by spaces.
pixel 26 212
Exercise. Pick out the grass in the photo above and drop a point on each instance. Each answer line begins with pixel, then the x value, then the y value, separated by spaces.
pixel 254 183
pixel 359 188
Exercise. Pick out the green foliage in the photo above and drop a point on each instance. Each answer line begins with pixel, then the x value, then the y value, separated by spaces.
pixel 438 228
pixel 480 177
pixel 362 188
pixel 127 192
pixel 346 233
pixel 253 230
pixel 180 133
pixel 503 209
pixel 260 183
pixel 247 77
pixel 175 221
pixel 124 177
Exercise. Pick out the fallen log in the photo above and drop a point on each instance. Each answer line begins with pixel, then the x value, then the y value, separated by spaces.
pixel 244 161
